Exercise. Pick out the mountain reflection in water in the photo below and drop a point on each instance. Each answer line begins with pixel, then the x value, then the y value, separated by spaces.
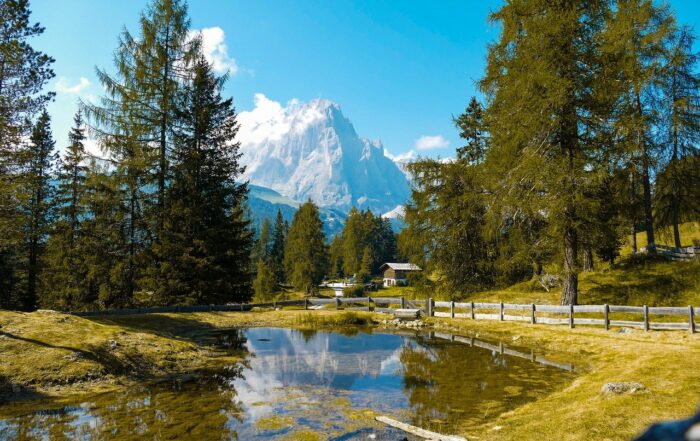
pixel 322 385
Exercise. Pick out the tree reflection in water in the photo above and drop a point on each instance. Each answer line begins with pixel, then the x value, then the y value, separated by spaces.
pixel 450 386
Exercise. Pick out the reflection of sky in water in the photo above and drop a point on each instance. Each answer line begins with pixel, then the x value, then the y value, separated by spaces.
pixel 318 379
pixel 365 365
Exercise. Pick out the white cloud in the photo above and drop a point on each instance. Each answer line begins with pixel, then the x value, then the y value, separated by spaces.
pixel 216 51
pixel 427 142
pixel 270 120
pixel 62 86
pixel 401 157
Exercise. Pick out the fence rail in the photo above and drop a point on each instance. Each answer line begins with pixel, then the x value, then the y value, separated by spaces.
pixel 530 313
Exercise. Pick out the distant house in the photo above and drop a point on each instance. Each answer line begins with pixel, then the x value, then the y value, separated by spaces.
pixel 396 273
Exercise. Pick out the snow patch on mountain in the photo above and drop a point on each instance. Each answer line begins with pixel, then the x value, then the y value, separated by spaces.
pixel 311 151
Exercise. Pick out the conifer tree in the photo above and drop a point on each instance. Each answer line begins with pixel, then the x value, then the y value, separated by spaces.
pixel 265 284
pixel 540 82
pixel 24 72
pixel 365 272
pixel 335 255
pixel 471 126
pixel 204 247
pixel 634 40
pixel 353 241
pixel 279 236
pixel 677 185
pixel 65 273
pixel 261 250
pixel 306 254
pixel 42 161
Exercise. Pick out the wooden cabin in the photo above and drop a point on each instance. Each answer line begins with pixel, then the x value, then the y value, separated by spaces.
pixel 396 274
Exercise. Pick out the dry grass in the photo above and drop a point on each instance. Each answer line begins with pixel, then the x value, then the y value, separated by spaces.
pixel 666 362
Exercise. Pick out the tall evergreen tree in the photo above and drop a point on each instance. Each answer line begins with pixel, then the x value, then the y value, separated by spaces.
pixel 204 247
pixel 677 187
pixel 24 72
pixel 471 127
pixel 279 236
pixel 335 255
pixel 634 39
pixel 262 247
pixel 306 254
pixel 540 80
pixel 265 284
pixel 65 272
pixel 42 161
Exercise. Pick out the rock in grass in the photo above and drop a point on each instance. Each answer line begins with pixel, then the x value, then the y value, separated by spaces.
pixel 623 388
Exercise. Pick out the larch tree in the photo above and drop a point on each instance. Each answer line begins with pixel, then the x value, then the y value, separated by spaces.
pixel 306 254
pixel 540 83
pixel 634 40
pixel 678 183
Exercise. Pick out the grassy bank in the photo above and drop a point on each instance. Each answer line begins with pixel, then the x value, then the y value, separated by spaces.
pixel 57 355
pixel 665 362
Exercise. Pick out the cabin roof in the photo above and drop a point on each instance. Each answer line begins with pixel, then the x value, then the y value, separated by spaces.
pixel 400 267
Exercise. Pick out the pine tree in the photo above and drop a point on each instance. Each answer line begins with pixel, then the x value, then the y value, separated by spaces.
pixel 265 284
pixel 204 248
pixel 262 247
pixel 365 272
pixel 65 273
pixel 305 254
pixel 335 255
pixel 471 126
pixel 540 83
pixel 677 188
pixel 24 72
pixel 634 40
pixel 279 236
pixel 41 166
pixel 353 241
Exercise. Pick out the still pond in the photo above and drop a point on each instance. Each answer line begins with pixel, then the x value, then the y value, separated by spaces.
pixel 308 385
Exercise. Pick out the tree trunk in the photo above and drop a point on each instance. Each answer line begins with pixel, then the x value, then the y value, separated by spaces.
pixel 646 183
pixel 587 259
pixel 569 295
pixel 634 239
pixel 676 219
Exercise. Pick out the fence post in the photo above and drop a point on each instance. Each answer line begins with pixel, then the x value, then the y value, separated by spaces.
pixel 429 308
pixel 606 316
pixel 471 306
pixel 337 303
pixel 403 303
pixel 532 314
pixel 691 320
pixel 274 304
pixel 306 303
pixel 646 318
pixel 500 312
pixel 452 309
pixel 369 300
pixel 571 316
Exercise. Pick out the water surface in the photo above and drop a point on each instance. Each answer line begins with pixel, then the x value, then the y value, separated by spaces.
pixel 307 386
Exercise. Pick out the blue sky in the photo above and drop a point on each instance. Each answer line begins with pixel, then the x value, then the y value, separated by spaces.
pixel 398 69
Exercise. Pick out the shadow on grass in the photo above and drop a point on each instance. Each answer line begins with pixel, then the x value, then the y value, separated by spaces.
pixel 182 326
pixel 10 392
pixel 107 357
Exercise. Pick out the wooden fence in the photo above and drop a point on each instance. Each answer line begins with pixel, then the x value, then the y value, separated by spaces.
pixel 530 313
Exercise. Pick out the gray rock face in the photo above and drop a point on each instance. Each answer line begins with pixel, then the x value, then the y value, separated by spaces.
pixel 623 388
pixel 311 151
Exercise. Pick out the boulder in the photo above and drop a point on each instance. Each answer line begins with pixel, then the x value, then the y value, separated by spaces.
pixel 623 388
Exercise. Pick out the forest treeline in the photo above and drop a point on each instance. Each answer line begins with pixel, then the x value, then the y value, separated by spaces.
pixel 588 133
pixel 158 217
